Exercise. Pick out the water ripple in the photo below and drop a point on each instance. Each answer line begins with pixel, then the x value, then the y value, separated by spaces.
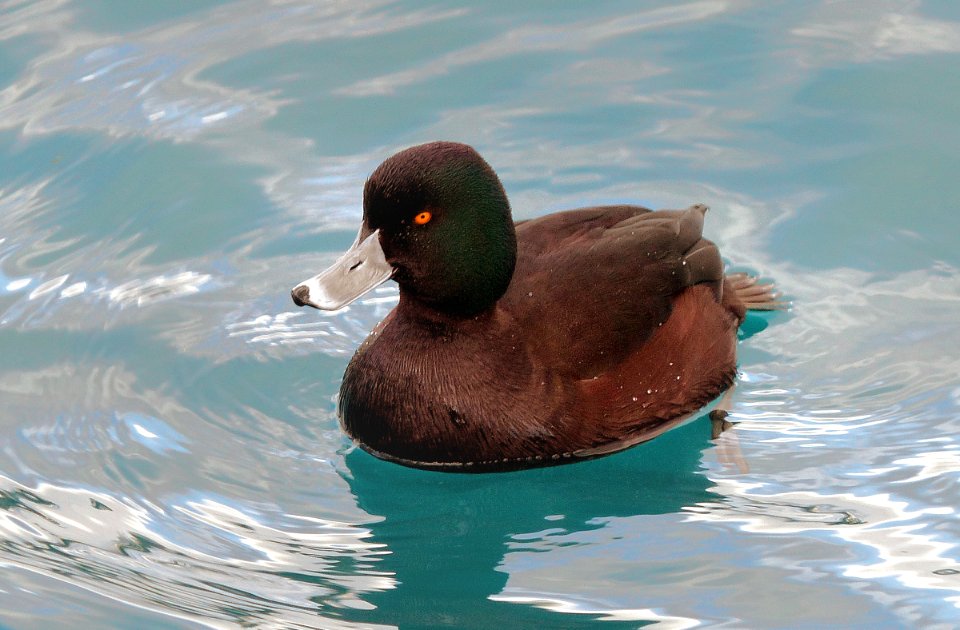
pixel 850 34
pixel 336 333
pixel 168 423
pixel 528 39
pixel 904 544
pixel 152 79
pixel 242 570
pixel 158 288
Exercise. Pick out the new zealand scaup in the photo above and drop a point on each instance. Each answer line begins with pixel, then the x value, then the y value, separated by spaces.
pixel 526 344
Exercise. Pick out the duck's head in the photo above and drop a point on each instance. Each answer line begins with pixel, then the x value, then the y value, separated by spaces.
pixel 435 219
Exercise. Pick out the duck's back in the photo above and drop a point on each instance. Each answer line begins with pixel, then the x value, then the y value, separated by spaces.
pixel 594 285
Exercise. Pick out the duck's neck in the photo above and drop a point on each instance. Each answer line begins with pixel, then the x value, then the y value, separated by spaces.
pixel 441 322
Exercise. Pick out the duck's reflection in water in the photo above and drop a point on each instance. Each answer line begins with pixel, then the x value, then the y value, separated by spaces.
pixel 450 534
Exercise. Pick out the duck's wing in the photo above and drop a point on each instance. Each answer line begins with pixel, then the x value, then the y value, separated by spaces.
pixel 593 285
pixel 559 230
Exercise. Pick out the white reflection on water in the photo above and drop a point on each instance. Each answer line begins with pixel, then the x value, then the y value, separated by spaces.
pixel 152 81
pixel 932 464
pixel 158 288
pixel 152 76
pixel 47 287
pixel 19 208
pixel 887 30
pixel 336 333
pixel 132 293
pixel 904 545
pixel 238 570
pixel 528 39
pixel 569 606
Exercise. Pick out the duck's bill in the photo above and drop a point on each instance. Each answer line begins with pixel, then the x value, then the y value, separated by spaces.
pixel 361 268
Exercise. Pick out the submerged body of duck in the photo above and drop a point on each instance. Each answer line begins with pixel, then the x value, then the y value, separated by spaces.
pixel 516 345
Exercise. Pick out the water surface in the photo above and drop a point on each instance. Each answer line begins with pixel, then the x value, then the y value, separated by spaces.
pixel 169 450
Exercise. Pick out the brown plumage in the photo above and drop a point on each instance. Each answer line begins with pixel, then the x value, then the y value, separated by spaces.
pixel 616 323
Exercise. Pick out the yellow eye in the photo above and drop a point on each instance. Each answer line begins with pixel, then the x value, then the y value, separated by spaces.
pixel 423 218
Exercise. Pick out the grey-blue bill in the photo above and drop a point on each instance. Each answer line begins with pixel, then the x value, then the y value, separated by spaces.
pixel 359 269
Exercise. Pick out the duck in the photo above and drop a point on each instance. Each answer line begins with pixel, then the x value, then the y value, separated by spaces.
pixel 531 343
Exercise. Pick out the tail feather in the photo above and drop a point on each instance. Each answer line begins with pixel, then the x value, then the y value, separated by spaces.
pixel 755 296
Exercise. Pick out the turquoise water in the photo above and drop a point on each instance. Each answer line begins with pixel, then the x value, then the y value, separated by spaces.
pixel 169 451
